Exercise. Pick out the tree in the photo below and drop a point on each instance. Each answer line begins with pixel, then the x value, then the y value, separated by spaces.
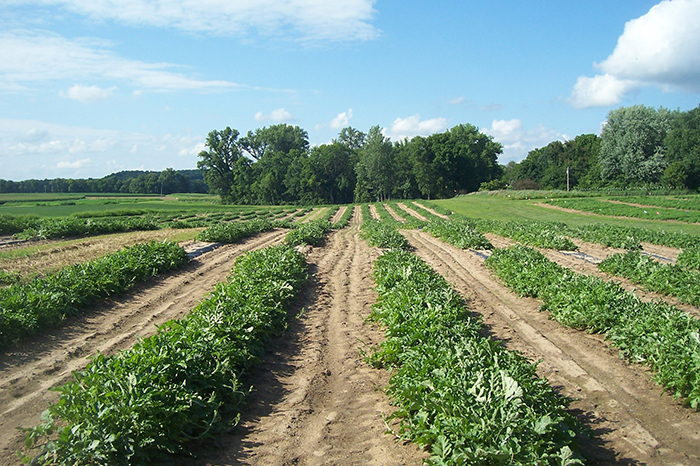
pixel 276 138
pixel 632 149
pixel 374 168
pixel 683 148
pixel 351 138
pixel 222 165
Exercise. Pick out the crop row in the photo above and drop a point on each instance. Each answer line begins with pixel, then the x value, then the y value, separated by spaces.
pixel 459 233
pixel 625 210
pixel 464 396
pixel 540 234
pixel 232 232
pixel 179 386
pixel 308 233
pixel 666 279
pixel 684 203
pixel 658 334
pixel 26 309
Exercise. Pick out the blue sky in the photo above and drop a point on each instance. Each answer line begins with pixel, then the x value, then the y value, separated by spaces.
pixel 91 87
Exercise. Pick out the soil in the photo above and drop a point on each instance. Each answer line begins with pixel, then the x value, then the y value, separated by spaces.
pixel 373 212
pixel 315 401
pixel 412 212
pixel 394 215
pixel 339 214
pixel 432 211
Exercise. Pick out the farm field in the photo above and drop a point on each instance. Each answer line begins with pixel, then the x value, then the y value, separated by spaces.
pixel 315 399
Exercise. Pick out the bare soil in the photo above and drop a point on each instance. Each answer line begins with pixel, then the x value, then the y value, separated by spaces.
pixel 412 212
pixel 31 368
pixel 339 214
pixel 394 215
pixel 432 211
pixel 373 212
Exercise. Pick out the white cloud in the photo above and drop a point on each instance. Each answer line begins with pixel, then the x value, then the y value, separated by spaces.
pixel 306 20
pixel 413 126
pixel 27 57
pixel 659 48
pixel 456 101
pixel 276 116
pixel 87 94
pixel 516 141
pixel 35 149
pixel 76 164
pixel 342 120
pixel 600 91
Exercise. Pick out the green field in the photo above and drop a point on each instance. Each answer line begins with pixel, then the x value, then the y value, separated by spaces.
pixel 522 209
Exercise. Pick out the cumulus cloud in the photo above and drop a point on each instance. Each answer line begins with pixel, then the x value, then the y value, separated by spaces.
pixel 306 20
pixel 342 120
pixel 517 141
pixel 659 48
pixel 27 57
pixel 35 149
pixel 75 164
pixel 276 116
pixel 413 126
pixel 86 94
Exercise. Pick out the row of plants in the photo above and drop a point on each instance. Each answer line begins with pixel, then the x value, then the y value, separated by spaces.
pixel 690 258
pixel 459 233
pixel 464 396
pixel 382 234
pixel 602 207
pixel 539 234
pixel 233 232
pixel 408 221
pixel 655 333
pixel 666 279
pixel 180 386
pixel 311 233
pixel 26 309
pixel 686 202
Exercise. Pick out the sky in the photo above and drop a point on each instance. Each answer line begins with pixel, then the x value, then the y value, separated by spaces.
pixel 93 87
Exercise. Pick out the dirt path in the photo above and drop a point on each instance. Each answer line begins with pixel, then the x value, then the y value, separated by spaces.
pixel 373 212
pixel 28 370
pixel 412 212
pixel 314 214
pixel 432 211
pixel 636 422
pixel 394 215
pixel 339 214
pixel 316 401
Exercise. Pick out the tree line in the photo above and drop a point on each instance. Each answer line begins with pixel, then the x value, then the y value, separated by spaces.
pixel 276 165
pixel 167 181
pixel 638 146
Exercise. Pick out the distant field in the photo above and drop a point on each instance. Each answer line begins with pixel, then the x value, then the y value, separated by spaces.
pixel 519 207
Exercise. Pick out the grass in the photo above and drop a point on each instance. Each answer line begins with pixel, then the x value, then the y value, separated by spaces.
pixel 503 208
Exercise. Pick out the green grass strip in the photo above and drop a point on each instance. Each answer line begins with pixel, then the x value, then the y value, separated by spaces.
pixel 182 384
pixel 26 309
pixel 657 334
pixel 464 396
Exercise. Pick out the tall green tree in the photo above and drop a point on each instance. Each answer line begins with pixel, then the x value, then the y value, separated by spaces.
pixel 632 149
pixel 683 149
pixel 374 169
pixel 224 168
pixel 276 138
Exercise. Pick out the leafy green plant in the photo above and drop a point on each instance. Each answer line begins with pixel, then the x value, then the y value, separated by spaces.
pixel 179 386
pixel 667 279
pixel 655 333
pixel 234 231
pixel 308 233
pixel 465 397
pixel 26 309
pixel 690 258
pixel 459 233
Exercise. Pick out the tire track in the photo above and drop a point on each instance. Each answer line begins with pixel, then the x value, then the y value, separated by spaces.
pixel 636 423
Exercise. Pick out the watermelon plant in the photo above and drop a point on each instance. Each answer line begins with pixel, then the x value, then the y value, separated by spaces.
pixel 26 309
pixel 459 233
pixel 465 397
pixel 655 333
pixel 181 385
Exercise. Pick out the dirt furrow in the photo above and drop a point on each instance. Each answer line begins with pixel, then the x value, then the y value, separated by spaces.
pixel 316 401
pixel 636 422
pixel 29 369
pixel 411 212
pixel 432 211
pixel 394 215
pixel 339 214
